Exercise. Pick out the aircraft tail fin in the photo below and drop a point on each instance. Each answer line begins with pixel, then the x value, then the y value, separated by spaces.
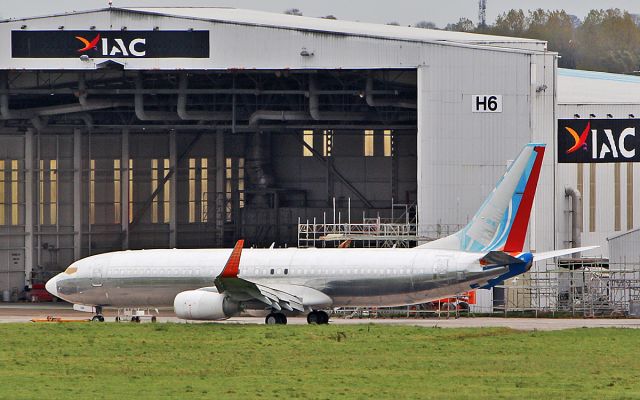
pixel 502 220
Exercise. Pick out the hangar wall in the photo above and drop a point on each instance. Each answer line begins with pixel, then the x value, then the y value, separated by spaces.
pixel 462 154
pixel 74 174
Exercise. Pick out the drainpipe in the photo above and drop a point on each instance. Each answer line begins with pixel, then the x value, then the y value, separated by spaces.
pixel 385 103
pixel 30 113
pixel 283 116
pixel 143 115
pixel 576 215
pixel 186 115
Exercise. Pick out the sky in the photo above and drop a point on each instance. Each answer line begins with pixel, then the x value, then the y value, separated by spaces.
pixel 405 12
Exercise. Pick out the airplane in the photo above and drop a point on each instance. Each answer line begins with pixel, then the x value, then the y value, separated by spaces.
pixel 216 284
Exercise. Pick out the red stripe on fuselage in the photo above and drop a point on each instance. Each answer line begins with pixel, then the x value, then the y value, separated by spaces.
pixel 515 240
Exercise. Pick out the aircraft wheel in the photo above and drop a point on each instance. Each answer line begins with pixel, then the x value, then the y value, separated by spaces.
pixel 135 319
pixel 153 319
pixel 97 318
pixel 313 317
pixel 117 319
pixel 324 317
pixel 271 319
pixel 276 319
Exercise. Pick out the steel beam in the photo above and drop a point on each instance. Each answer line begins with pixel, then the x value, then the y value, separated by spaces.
pixel 220 201
pixel 77 194
pixel 335 172
pixel 124 190
pixel 173 191
pixel 29 206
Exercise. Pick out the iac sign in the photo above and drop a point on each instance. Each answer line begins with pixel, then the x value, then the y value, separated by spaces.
pixel 116 47
pixel 609 144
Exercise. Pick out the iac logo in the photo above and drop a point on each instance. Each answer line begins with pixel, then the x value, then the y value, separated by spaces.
pixel 115 46
pixel 606 144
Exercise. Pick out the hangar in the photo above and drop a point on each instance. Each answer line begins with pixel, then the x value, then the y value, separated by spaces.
pixel 190 127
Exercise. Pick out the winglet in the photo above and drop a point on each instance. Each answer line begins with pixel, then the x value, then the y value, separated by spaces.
pixel 232 267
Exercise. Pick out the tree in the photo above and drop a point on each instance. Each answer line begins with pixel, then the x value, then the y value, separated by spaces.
pixel 425 25
pixel 394 23
pixel 463 25
pixel 511 23
pixel 557 28
pixel 608 40
pixel 330 16
pixel 293 11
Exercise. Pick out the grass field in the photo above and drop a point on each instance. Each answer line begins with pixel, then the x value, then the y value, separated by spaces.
pixel 207 361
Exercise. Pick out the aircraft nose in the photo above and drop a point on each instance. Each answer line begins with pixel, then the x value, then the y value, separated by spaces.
pixel 51 286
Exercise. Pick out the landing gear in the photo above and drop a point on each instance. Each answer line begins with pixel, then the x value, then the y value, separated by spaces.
pixel 97 318
pixel 135 319
pixel 276 319
pixel 318 317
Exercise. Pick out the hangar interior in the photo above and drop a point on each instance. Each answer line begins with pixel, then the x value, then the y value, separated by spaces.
pixel 275 120
pixel 252 152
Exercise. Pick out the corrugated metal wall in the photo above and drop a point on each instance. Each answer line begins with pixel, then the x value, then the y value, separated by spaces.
pixel 462 154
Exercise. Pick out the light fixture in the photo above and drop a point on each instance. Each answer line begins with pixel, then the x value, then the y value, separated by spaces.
pixel 576 115
pixel 124 28
pixel 23 27
pixel 156 28
pixel 92 27
pixel 631 116
pixel 305 53
pixel 541 88
pixel 84 57
pixel 61 27
pixel 609 115
pixel 592 115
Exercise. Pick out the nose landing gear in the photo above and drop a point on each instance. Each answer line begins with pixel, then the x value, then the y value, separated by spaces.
pixel 318 317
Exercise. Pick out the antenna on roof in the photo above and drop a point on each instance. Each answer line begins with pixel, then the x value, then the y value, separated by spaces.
pixel 110 3
pixel 482 13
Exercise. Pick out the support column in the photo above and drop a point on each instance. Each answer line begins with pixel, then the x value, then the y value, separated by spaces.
pixel 173 190
pixel 77 194
pixel 221 198
pixel 124 189
pixel 28 205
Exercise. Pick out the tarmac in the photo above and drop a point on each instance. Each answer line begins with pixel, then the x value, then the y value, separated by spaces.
pixel 25 312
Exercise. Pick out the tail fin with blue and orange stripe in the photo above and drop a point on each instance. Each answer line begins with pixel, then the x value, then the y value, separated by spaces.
pixel 502 220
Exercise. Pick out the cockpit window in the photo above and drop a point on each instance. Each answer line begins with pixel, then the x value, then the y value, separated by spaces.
pixel 71 270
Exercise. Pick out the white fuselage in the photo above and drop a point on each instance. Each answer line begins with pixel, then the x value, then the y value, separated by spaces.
pixel 349 277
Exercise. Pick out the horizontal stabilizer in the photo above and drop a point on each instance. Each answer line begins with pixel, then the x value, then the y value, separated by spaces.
pixel 498 258
pixel 559 253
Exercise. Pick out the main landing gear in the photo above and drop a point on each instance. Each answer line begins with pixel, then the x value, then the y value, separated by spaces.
pixel 318 317
pixel 276 319
pixel 98 317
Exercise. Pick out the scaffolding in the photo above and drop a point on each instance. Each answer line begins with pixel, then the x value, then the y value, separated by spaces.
pixel 400 230
pixel 597 289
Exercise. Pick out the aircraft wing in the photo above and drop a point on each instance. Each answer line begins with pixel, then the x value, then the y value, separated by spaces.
pixel 558 253
pixel 242 289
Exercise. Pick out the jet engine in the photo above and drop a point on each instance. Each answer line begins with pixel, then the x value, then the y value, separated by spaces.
pixel 204 305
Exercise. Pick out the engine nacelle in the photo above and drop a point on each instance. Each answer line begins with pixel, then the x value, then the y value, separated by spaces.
pixel 203 305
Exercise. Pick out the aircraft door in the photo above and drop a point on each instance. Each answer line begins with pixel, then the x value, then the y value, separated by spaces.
pixel 96 277
pixel 441 267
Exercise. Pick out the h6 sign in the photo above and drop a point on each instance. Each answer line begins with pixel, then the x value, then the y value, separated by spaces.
pixel 486 103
